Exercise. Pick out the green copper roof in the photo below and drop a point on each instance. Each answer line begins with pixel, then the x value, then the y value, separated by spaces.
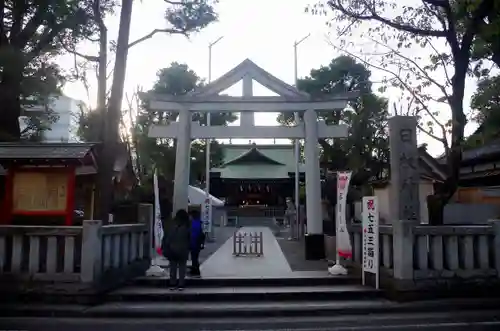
pixel 252 156
pixel 258 161
pixel 255 171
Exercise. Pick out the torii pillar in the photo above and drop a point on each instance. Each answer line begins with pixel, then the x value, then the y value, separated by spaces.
pixel 182 162
pixel 314 238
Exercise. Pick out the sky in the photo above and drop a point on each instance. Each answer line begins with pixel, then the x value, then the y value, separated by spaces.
pixel 261 30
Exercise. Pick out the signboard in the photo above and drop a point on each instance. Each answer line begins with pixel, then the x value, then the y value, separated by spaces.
pixel 344 248
pixel 206 216
pixel 40 192
pixel 371 237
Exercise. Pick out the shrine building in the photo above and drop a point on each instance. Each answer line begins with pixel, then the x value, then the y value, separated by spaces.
pixel 255 175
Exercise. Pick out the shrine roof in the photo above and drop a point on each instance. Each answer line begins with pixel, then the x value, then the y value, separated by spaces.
pixel 429 168
pixel 252 156
pixel 254 162
pixel 44 152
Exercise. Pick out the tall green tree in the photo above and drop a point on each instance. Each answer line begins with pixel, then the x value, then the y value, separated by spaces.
pixel 41 86
pixel 365 151
pixel 177 79
pixel 486 101
pixel 31 33
pixel 486 106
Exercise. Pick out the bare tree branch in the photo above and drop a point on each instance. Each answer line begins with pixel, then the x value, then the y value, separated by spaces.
pixel 405 85
pixel 155 31
pixel 424 72
pixel 337 5
pixel 445 67
pixel 91 58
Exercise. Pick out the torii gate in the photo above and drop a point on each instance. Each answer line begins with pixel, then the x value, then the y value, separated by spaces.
pixel 206 99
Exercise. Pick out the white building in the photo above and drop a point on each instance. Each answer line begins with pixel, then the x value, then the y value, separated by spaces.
pixel 66 126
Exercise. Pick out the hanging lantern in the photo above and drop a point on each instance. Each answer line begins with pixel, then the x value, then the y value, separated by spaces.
pixel 241 188
pixel 267 188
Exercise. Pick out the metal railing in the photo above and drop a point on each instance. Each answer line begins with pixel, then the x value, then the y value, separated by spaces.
pixel 248 244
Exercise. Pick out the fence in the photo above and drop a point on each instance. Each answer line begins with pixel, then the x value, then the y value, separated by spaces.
pixel 248 244
pixel 90 256
pixel 431 254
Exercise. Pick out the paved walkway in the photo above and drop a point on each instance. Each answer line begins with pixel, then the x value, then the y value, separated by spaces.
pixel 223 264
pixel 222 234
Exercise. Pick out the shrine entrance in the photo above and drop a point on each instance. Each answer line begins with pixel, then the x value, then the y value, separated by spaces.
pixel 207 99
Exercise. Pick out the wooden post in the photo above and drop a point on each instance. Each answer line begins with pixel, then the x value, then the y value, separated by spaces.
pixel 235 252
pixel 91 251
pixel 403 249
pixel 261 244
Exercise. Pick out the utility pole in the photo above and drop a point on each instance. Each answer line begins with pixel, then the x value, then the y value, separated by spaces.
pixel 296 229
pixel 208 141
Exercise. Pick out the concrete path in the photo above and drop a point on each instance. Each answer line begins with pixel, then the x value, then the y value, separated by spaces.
pixel 273 263
pixel 222 234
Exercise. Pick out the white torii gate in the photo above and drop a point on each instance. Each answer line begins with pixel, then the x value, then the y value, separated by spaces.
pixel 206 99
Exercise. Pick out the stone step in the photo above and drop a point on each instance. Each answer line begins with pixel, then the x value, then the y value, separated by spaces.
pixel 221 310
pixel 465 321
pixel 255 293
pixel 295 279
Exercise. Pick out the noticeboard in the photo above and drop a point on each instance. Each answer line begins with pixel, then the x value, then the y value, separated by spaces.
pixel 40 192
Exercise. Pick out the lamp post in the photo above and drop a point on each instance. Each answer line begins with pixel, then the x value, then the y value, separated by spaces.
pixel 296 228
pixel 207 156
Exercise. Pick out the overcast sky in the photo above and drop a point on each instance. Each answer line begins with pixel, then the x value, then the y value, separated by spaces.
pixel 261 30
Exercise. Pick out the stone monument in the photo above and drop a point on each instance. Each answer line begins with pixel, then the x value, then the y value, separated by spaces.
pixel 405 174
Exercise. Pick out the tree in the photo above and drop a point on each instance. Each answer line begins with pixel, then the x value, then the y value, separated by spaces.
pixel 457 23
pixel 487 43
pixel 486 101
pixel 177 79
pixel 184 17
pixel 31 32
pixel 40 86
pixel 486 104
pixel 366 149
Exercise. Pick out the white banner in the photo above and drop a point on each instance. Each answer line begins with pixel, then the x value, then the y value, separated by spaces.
pixel 158 226
pixel 344 248
pixel 371 237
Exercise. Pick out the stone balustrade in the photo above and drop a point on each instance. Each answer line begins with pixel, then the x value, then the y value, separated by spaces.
pixel 41 252
pixel 386 247
pixel 92 256
pixel 423 255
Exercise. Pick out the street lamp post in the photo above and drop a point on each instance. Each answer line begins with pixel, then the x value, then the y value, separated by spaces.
pixel 296 228
pixel 207 156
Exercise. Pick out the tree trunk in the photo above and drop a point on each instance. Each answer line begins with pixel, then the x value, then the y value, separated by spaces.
pixel 112 120
pixel 10 101
pixel 454 157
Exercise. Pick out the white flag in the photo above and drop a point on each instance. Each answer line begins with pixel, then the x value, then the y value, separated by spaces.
pixel 344 248
pixel 158 226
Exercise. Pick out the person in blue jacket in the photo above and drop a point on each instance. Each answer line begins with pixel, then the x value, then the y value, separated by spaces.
pixel 197 242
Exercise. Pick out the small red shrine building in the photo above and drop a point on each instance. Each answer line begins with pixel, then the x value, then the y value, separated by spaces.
pixel 43 183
